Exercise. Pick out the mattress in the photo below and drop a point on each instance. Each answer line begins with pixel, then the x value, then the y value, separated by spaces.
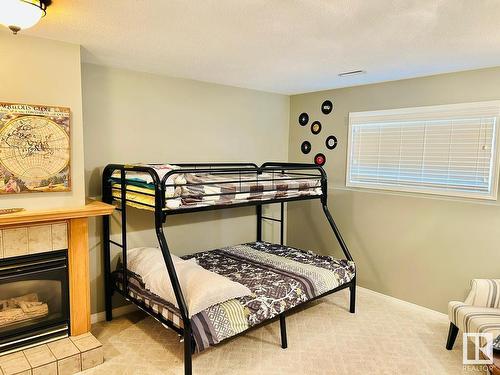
pixel 192 190
pixel 279 277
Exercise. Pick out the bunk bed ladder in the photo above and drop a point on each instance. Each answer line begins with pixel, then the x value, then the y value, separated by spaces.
pixel 281 220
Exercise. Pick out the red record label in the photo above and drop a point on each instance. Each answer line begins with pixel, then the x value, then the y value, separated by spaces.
pixel 320 159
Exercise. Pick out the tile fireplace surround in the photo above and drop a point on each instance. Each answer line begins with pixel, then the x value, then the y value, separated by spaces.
pixel 30 239
pixel 34 239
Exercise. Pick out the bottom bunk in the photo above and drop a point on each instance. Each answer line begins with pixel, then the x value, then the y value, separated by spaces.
pixel 277 278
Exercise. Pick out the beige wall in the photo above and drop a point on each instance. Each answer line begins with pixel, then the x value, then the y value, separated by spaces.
pixel 413 247
pixel 137 117
pixel 417 248
pixel 41 71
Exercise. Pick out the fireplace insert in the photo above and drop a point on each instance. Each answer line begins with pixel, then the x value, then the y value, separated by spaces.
pixel 34 300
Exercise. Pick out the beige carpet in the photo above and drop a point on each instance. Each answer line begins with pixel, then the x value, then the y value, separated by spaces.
pixel 385 336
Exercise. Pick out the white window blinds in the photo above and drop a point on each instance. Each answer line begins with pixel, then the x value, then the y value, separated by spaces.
pixel 448 150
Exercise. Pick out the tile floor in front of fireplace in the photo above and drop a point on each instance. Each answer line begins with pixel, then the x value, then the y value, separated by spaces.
pixel 385 336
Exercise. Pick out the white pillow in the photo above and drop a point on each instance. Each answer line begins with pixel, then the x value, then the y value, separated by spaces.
pixel 200 287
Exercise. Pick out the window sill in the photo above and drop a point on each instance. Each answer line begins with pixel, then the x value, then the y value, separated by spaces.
pixel 487 202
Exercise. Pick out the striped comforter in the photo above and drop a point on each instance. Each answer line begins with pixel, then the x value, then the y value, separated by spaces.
pixel 280 278
pixel 192 190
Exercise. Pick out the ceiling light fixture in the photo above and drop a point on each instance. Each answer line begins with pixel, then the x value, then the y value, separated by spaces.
pixel 22 14
pixel 351 73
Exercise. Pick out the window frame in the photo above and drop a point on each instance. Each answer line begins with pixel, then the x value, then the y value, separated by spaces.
pixel 447 111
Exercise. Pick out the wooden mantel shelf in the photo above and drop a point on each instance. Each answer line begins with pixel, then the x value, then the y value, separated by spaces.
pixel 92 208
pixel 76 219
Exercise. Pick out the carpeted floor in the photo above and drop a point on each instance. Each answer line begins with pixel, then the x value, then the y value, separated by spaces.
pixel 385 336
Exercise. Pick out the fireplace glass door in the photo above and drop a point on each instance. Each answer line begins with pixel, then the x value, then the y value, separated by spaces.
pixel 33 299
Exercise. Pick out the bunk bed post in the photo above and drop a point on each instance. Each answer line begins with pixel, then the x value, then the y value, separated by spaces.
pixel 352 290
pixel 188 352
pixel 259 211
pixel 108 290
pixel 282 223
pixel 123 202
pixel 284 341
pixel 259 222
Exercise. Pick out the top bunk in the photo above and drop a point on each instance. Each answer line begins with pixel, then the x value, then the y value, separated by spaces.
pixel 179 188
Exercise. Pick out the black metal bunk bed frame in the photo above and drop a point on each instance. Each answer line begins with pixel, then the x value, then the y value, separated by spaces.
pixel 160 218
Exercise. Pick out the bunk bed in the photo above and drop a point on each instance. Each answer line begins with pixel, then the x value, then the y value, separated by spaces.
pixel 279 278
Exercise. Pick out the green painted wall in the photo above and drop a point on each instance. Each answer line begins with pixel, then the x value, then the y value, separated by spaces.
pixel 134 117
pixel 417 248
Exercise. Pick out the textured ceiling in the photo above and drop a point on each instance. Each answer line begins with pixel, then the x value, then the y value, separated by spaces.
pixel 286 46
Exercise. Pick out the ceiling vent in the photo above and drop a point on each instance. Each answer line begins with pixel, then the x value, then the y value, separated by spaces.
pixel 351 73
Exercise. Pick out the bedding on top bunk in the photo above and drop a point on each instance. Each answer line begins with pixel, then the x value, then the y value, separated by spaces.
pixel 279 278
pixel 212 189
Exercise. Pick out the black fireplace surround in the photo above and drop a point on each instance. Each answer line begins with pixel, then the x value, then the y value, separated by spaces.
pixel 42 281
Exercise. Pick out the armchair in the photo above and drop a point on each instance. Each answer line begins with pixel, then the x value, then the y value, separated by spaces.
pixel 480 313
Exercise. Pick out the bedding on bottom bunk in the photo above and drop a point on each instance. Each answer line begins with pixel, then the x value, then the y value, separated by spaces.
pixel 279 278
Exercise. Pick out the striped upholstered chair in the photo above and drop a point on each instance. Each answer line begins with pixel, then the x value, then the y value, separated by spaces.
pixel 480 313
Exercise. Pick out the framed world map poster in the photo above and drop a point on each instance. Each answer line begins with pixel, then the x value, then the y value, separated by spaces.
pixel 34 148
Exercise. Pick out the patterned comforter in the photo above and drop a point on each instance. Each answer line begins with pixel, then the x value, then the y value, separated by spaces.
pixel 188 190
pixel 280 278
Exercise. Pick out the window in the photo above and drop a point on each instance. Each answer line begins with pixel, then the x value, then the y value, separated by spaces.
pixel 447 150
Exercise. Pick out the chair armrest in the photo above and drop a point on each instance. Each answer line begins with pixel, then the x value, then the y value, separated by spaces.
pixel 484 293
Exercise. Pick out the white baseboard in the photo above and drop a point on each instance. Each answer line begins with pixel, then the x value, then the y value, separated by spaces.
pixel 119 311
pixel 122 310
pixel 397 300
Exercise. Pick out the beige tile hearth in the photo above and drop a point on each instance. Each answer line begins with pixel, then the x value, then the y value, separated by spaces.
pixel 385 336
pixel 85 342
pixel 42 360
pixel 63 348
pixel 70 365
pixel 15 364
pixel 68 356
pixel 90 348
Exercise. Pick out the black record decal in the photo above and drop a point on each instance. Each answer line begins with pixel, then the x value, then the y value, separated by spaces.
pixel 326 107
pixel 303 119
pixel 331 142
pixel 316 127
pixel 320 159
pixel 305 147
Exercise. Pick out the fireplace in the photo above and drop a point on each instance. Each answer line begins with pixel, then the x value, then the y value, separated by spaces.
pixel 34 300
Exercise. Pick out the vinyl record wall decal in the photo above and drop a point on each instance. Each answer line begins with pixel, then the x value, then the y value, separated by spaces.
pixel 305 147
pixel 303 119
pixel 316 127
pixel 331 142
pixel 320 159
pixel 327 107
